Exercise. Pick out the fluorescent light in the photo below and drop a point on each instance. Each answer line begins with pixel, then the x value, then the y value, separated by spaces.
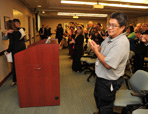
pixel 111 5
pixel 78 2
pixel 124 6
pixel 132 1
pixel 81 14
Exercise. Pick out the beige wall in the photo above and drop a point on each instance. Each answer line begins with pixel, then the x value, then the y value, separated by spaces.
pixel 7 8
pixel 134 21
pixel 54 22
pixel 143 19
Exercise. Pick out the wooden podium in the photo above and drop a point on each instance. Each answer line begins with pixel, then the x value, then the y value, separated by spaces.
pixel 37 71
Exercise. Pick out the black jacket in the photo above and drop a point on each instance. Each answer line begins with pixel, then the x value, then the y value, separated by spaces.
pixel 59 33
pixel 15 44
pixel 78 46
pixel 140 48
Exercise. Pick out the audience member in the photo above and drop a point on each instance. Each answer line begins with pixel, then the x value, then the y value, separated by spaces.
pixel 42 32
pixel 90 28
pixel 97 38
pixel 144 28
pixel 78 49
pixel 131 36
pixel 100 30
pixel 59 33
pixel 71 36
pixel 5 36
pixel 15 44
pixel 140 51
pixel 130 32
pixel 48 31
pixel 138 26
pixel 144 38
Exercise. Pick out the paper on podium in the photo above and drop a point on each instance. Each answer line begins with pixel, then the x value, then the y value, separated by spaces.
pixel 48 40
pixel 9 57
pixel 22 33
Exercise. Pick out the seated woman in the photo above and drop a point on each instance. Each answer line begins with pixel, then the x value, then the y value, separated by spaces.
pixel 78 49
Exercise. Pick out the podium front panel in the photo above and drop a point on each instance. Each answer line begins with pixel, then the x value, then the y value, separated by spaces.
pixel 38 81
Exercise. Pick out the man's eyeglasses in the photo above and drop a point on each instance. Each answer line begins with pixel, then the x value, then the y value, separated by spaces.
pixel 112 25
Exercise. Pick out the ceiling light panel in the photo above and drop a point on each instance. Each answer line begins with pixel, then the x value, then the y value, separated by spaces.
pixel 78 2
pixel 124 6
pixel 132 1
pixel 107 4
pixel 81 14
pixel 92 3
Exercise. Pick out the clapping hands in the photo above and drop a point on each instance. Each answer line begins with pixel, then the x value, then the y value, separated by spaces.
pixel 95 47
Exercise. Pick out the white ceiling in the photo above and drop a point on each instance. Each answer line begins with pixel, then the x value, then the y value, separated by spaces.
pixel 51 7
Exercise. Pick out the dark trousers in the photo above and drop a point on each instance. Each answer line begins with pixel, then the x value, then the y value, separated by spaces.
pixel 43 36
pixel 138 62
pixel 13 69
pixel 59 39
pixel 71 50
pixel 76 65
pixel 104 97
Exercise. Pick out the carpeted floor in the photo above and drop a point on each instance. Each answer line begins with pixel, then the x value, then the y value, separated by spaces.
pixel 76 94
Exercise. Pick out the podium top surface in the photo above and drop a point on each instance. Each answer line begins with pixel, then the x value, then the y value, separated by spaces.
pixel 41 53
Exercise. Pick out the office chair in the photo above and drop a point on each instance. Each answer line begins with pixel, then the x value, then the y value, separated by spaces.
pixel 140 111
pixel 137 95
pixel 83 59
pixel 91 63
pixel 129 66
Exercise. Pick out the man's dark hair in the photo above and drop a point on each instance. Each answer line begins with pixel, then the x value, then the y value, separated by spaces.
pixel 16 20
pixel 99 24
pixel 59 24
pixel 120 17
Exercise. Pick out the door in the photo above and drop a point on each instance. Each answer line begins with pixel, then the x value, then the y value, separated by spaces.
pixel 29 29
